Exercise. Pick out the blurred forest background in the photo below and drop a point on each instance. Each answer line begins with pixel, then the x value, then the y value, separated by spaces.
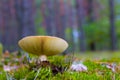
pixel 87 25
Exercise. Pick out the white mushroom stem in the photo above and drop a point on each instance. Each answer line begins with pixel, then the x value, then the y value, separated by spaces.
pixel 43 58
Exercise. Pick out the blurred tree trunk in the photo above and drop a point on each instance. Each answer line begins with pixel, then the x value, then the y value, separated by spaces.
pixel 112 26
pixel 63 18
pixel 25 17
pixel 81 22
pixel 43 8
pixel 1 21
pixel 60 18
pixel 91 14
pixel 91 19
pixel 57 21
pixel 72 24
pixel 50 25
pixel 9 35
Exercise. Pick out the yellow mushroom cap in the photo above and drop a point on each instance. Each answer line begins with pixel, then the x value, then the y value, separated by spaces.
pixel 43 45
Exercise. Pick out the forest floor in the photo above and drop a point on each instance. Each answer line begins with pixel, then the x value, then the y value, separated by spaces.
pixel 82 66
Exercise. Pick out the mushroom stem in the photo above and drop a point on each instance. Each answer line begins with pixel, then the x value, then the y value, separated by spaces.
pixel 43 58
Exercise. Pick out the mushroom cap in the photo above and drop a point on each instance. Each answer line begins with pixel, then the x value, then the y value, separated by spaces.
pixel 43 45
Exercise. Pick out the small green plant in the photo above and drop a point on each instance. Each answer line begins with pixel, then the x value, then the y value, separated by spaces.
pixel 3 75
pixel 1 49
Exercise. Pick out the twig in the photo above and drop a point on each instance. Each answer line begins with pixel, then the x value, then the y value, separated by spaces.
pixel 37 73
pixel 9 77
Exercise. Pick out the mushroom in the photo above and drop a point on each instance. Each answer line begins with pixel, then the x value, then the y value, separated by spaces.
pixel 43 46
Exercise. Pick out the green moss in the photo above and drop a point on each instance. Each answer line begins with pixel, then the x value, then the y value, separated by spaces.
pixel 95 70
pixel 2 75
